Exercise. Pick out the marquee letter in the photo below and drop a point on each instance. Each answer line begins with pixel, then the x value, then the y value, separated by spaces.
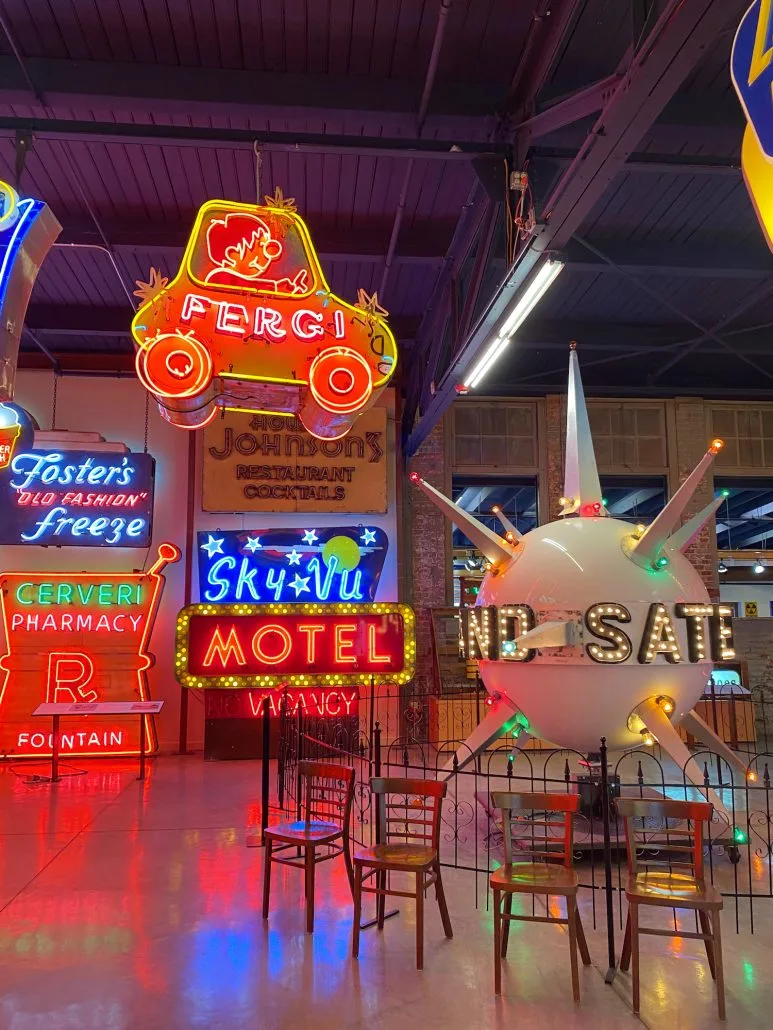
pixel 694 614
pixel 224 649
pixel 68 672
pixel 257 640
pixel 475 640
pixel 596 619
pixel 659 636
pixel 722 648
pixel 515 620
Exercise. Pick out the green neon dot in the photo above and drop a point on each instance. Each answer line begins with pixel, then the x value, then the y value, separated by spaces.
pixel 740 836
pixel 725 493
pixel 661 562
pixel 604 501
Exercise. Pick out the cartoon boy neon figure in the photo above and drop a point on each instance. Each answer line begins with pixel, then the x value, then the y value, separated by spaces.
pixel 241 249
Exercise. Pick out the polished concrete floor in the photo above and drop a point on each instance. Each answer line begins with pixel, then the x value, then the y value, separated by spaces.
pixel 127 905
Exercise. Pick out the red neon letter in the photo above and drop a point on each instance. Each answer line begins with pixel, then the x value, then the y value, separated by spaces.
pixel 68 673
pixel 310 629
pixel 372 655
pixel 223 649
pixel 342 643
pixel 287 643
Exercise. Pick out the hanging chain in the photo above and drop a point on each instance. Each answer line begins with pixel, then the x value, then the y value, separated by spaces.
pixel 147 420
pixel 53 402
pixel 258 169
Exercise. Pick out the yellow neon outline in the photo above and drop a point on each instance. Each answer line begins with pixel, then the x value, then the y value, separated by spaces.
pixel 232 681
pixel 184 272
pixel 10 216
pixel 168 553
pixel 761 57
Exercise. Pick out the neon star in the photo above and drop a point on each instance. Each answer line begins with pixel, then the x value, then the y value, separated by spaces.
pixel 300 583
pixel 213 545
pixel 294 557
pixel 253 544
pixel 368 537
pixel 310 536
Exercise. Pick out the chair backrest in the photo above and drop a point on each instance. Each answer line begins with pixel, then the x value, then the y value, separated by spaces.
pixel 409 810
pixel 539 836
pixel 654 842
pixel 327 791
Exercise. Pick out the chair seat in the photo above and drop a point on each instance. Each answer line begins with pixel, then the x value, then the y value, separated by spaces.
pixel 313 832
pixel 397 856
pixel 535 878
pixel 672 890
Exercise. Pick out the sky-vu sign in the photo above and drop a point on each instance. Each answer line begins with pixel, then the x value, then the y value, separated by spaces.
pixel 338 563
pixel 77 498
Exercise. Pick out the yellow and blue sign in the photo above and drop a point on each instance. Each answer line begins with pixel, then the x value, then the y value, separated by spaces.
pixel 751 69
pixel 338 563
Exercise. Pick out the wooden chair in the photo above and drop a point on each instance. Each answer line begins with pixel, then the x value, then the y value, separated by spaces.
pixel 547 868
pixel 325 794
pixel 671 878
pixel 408 832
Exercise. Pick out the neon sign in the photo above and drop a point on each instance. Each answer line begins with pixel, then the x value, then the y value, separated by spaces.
pixel 751 68
pixel 319 702
pixel 250 645
pixel 16 431
pixel 77 498
pixel 27 231
pixel 78 637
pixel 332 564
pixel 492 633
pixel 249 323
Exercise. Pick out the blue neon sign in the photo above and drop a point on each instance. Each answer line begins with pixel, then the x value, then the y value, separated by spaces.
pixel 340 563
pixel 77 498
pixel 751 68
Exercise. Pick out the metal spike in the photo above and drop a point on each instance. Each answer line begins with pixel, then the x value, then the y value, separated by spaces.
pixel 512 532
pixel 558 633
pixel 493 546
pixel 649 545
pixel 582 489
pixel 682 538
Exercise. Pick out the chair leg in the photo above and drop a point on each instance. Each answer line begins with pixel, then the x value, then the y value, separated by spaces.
pixel 310 868
pixel 633 915
pixel 357 911
pixel 380 899
pixel 348 861
pixel 420 920
pixel 442 905
pixel 571 912
pixel 267 877
pixel 708 941
pixel 497 943
pixel 717 935
pixel 582 944
pixel 506 922
pixel 625 955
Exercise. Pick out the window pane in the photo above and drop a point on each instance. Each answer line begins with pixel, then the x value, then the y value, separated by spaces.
pixel 745 517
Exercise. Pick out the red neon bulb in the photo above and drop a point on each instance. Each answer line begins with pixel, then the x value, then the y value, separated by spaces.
pixel 80 637
pixel 415 477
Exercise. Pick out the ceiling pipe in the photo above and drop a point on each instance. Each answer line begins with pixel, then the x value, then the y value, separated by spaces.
pixel 426 93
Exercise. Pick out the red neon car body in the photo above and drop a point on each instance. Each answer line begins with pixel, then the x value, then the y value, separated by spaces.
pixel 249 323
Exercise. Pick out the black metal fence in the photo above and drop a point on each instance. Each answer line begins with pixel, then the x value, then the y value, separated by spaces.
pixel 396 733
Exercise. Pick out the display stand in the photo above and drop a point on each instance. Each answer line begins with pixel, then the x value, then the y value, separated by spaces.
pixel 57 710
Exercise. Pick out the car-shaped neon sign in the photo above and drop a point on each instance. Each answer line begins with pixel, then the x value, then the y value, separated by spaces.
pixel 249 323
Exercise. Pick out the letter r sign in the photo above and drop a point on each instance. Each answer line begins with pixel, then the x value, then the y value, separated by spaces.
pixel 69 672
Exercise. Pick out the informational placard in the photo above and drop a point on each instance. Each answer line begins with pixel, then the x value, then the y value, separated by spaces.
pixel 269 463
pixel 322 702
pixel 77 498
pixel 265 645
pixel 99 708
pixel 338 563
pixel 76 639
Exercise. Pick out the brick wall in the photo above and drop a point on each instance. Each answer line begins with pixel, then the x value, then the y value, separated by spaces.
pixel 554 433
pixel 427 542
pixel 753 640
pixel 687 447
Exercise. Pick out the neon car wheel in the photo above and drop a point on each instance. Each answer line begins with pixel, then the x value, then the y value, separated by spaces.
pixel 340 380
pixel 173 365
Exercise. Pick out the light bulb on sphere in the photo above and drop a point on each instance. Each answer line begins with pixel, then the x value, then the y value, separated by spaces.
pixel 589 626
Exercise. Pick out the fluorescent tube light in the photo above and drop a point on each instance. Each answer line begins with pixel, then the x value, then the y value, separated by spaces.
pixel 523 307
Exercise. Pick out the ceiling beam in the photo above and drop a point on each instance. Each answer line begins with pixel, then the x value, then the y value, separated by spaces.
pixel 716 259
pixel 454 149
pixel 651 163
pixel 173 89
pixel 678 40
